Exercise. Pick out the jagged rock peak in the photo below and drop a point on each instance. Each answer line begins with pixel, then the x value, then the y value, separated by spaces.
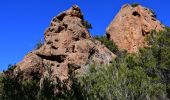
pixel 131 25
pixel 74 11
pixel 68 51
pixel 70 23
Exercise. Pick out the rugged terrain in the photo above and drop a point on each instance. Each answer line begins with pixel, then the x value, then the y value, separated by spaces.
pixel 131 26
pixel 68 51
pixel 73 65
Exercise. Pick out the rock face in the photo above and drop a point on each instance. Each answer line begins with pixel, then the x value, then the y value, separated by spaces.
pixel 130 27
pixel 68 50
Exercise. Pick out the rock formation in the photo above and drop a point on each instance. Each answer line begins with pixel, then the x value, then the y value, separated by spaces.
pixel 68 50
pixel 130 27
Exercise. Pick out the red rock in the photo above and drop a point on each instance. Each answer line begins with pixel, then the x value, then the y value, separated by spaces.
pixel 131 26
pixel 68 51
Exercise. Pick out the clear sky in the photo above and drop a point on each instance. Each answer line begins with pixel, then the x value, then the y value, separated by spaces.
pixel 22 22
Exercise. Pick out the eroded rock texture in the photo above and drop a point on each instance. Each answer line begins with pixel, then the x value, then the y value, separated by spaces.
pixel 130 27
pixel 68 51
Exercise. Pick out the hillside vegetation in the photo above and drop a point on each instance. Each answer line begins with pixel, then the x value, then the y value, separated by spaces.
pixel 142 76
pixel 71 65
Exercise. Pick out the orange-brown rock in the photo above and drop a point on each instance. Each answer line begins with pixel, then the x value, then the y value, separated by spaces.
pixel 68 50
pixel 130 27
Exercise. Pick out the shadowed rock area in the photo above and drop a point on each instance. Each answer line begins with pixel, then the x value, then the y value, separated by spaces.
pixel 68 51
pixel 131 26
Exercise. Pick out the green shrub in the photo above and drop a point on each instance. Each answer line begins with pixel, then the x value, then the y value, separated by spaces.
pixel 120 81
pixel 134 4
pixel 11 67
pixel 14 90
pixel 87 25
pixel 154 14
pixel 108 43
pixel 156 58
pixel 132 77
pixel 1 86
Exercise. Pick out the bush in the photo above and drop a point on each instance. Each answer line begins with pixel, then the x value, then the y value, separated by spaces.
pixel 108 43
pixel 12 89
pixel 140 77
pixel 154 14
pixel 87 25
pixel 1 86
pixel 134 4
pixel 120 81
pixel 157 56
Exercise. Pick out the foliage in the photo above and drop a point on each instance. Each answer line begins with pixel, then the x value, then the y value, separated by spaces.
pixel 87 25
pixel 108 43
pixel 1 86
pixel 143 76
pixel 39 45
pixel 14 90
pixel 133 77
pixel 121 81
pixel 134 4
pixel 154 14
pixel 159 54
pixel 11 67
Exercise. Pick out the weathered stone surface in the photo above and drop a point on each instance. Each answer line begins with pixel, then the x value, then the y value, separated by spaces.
pixel 68 50
pixel 30 67
pixel 130 27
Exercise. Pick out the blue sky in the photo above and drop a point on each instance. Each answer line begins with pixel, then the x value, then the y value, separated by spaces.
pixel 22 22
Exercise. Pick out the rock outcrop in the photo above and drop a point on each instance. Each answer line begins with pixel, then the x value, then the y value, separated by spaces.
pixel 68 51
pixel 130 27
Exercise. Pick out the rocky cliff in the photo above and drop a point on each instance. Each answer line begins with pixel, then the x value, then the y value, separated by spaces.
pixel 68 51
pixel 131 26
